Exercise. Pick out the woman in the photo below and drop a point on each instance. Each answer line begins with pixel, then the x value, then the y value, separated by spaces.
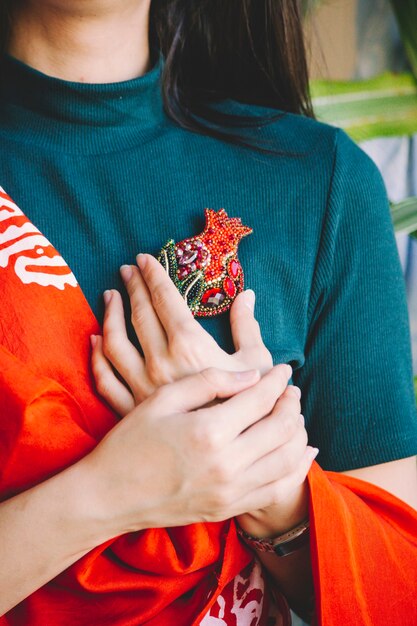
pixel 118 169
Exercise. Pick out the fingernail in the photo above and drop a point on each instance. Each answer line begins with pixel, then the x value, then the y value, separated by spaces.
pixel 289 371
pixel 93 340
pixel 301 420
pixel 248 375
pixel 295 390
pixel 141 261
pixel 249 299
pixel 107 296
pixel 126 272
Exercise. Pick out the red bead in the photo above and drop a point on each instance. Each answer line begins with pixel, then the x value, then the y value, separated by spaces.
pixel 229 287
pixel 234 268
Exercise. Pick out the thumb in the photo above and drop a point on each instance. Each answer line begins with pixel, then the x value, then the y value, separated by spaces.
pixel 197 390
pixel 245 329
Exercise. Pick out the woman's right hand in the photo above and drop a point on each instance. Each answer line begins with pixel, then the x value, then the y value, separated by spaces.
pixel 174 460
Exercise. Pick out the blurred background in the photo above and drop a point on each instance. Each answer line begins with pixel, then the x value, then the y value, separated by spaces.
pixel 363 64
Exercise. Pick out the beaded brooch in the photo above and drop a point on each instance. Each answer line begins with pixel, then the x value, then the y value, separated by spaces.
pixel 206 268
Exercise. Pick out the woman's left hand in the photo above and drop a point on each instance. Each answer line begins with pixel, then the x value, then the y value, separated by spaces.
pixel 174 344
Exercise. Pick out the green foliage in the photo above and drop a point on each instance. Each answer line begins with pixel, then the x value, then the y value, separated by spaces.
pixel 404 216
pixel 384 106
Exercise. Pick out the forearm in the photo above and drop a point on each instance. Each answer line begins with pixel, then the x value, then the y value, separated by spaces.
pixel 44 530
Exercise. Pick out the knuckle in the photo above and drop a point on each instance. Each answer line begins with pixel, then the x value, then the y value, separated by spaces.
pixel 138 315
pixel 158 295
pixel 103 384
pixel 111 344
pixel 265 358
pixel 144 389
pixel 211 379
pixel 281 373
pixel 186 350
pixel 287 463
pixel 258 356
pixel 202 435
pixel 266 400
pixel 197 435
pixel 221 501
pixel 158 371
pixel 162 396
pixel 223 473
pixel 210 437
pixel 287 424
pixel 278 493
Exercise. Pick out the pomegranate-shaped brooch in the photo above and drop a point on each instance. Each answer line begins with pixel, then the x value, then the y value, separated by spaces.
pixel 206 268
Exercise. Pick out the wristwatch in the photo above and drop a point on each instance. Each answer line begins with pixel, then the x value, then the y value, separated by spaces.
pixel 284 544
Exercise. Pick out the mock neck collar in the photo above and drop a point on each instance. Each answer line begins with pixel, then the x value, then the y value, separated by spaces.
pixel 80 117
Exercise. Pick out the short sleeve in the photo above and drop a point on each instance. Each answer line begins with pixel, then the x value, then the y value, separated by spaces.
pixel 358 395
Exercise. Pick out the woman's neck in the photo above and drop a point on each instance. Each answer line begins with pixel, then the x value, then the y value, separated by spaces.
pixel 92 41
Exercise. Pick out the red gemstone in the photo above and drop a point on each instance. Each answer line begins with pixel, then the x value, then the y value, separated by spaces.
pixel 229 287
pixel 234 268
pixel 212 298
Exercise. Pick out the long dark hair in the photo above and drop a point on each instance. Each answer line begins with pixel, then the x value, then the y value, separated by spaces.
pixel 248 50
pixel 251 51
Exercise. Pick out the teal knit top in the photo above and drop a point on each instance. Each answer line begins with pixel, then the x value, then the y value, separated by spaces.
pixel 105 174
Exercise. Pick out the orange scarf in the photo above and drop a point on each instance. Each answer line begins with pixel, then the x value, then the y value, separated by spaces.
pixel 363 540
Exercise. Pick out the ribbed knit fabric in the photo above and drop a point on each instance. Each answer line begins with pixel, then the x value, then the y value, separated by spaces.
pixel 104 174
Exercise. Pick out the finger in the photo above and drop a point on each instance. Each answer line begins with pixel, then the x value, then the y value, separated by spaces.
pixel 245 329
pixel 169 305
pixel 278 463
pixel 108 385
pixel 289 401
pixel 275 492
pixel 197 390
pixel 145 321
pixel 116 346
pixel 248 407
pixel 269 433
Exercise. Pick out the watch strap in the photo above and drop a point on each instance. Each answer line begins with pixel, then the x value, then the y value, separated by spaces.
pixel 284 544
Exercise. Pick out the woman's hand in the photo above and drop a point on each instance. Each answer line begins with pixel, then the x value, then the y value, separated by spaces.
pixel 173 342
pixel 174 460
pixel 289 502
pixel 175 345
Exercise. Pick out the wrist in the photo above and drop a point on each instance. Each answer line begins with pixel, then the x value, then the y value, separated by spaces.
pixel 279 518
pixel 283 545
pixel 87 508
